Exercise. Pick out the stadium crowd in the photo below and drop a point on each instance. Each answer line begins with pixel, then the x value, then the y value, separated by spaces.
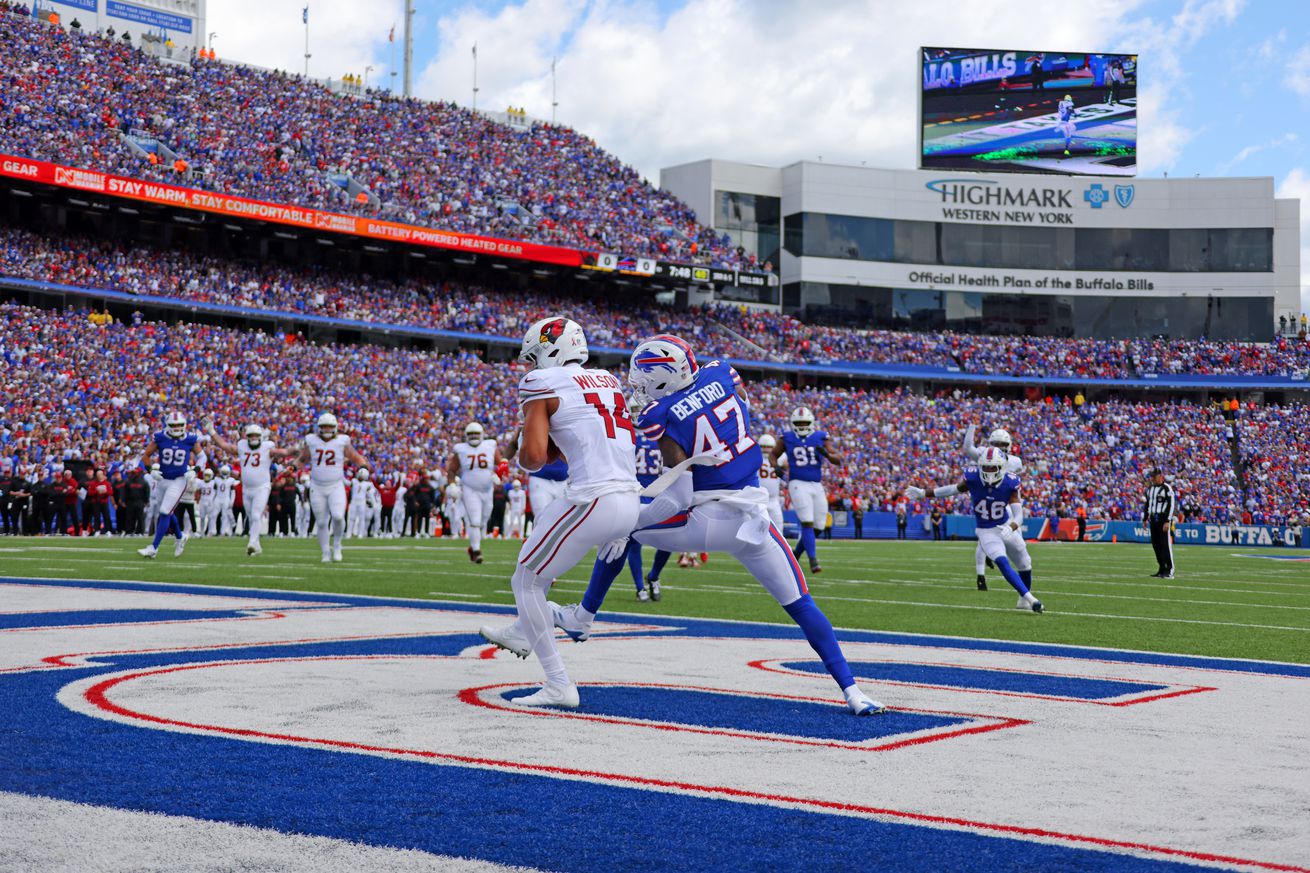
pixel 72 97
pixel 1274 441
pixel 77 387
pixel 723 329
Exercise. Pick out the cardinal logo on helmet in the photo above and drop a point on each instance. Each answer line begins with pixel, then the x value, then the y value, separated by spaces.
pixel 552 330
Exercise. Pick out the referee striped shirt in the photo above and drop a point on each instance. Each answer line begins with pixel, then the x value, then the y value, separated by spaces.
pixel 1160 501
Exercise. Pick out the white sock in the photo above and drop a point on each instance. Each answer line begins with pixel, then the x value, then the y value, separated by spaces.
pixel 581 612
pixel 538 624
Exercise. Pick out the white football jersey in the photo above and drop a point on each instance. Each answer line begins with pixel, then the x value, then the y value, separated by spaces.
pixel 770 481
pixel 224 490
pixel 189 490
pixel 477 464
pixel 206 492
pixel 452 493
pixel 592 428
pixel 327 459
pixel 254 463
pixel 518 499
pixel 364 493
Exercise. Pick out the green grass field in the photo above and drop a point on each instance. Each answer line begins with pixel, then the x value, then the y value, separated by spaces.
pixel 1096 594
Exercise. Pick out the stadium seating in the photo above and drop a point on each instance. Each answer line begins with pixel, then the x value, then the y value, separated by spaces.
pixel 750 334
pixel 70 97
pixel 75 388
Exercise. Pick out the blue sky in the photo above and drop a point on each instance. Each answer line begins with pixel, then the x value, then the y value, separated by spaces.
pixel 1225 84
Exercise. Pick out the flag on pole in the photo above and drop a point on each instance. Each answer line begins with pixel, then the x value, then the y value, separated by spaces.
pixel 304 16
pixel 391 37
pixel 475 51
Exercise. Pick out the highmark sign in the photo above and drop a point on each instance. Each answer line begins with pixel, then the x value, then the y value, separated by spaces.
pixel 989 201
pixel 1037 282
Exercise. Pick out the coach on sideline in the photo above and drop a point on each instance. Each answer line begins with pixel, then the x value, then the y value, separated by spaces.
pixel 1158 510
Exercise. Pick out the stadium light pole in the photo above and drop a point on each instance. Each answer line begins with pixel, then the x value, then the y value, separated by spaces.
pixel 554 104
pixel 409 44
pixel 475 77
pixel 305 18
pixel 212 34
pixel 366 71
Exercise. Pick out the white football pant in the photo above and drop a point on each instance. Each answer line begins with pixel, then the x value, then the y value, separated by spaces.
pixel 809 501
pixel 775 512
pixel 328 502
pixel 476 509
pixel 563 535
pixel 255 502
pixel 713 527
pixel 543 492
pixel 997 542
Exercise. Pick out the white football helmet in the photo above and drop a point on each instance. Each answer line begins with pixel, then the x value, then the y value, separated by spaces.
pixel 554 342
pixel 802 421
pixel 767 442
pixel 991 465
pixel 473 434
pixel 661 365
pixel 1001 439
pixel 362 474
pixel 515 485
pixel 175 424
pixel 225 471
pixel 154 468
pixel 208 474
pixel 254 435
pixel 326 426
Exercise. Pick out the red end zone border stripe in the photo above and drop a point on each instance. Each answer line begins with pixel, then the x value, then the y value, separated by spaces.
pixel 97 696
pixel 473 697
pixel 764 664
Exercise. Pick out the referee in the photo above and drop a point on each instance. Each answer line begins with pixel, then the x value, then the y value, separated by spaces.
pixel 1158 509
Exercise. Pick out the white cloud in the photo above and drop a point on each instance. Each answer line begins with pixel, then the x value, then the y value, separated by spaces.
pixel 1297 184
pixel 1286 139
pixel 345 36
pixel 1298 77
pixel 760 82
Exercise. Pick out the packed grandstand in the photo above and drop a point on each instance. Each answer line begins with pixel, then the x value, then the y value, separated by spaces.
pixel 78 385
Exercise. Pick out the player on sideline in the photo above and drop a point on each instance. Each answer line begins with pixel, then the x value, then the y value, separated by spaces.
pixel 255 455
pixel 516 503
pixel 225 493
pixel 1000 438
pixel 581 414
pixel 327 452
pixel 701 418
pixel 364 501
pixel 175 448
pixel 771 479
pixel 474 461
pixel 1066 126
pixel 998 512
pixel 806 450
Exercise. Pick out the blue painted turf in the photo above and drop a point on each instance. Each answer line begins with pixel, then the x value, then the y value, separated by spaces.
pixel 111 616
pixel 709 709
pixel 721 628
pixel 505 817
pixel 988 680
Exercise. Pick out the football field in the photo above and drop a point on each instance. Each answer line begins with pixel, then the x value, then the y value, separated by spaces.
pixel 1225 602
pixel 217 712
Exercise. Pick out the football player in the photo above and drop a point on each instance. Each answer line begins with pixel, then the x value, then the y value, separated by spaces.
pixel 771 479
pixel 175 448
pixel 1000 438
pixel 474 461
pixel 255 455
pixel 580 414
pixel 1066 126
pixel 362 514
pixel 207 505
pixel 806 448
pixel 225 495
pixel 516 504
pixel 327 452
pixel 998 513
pixel 700 416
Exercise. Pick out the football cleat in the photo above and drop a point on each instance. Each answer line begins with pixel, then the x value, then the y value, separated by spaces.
pixel 147 552
pixel 643 595
pixel 181 545
pixel 564 696
pixel 982 582
pixel 1034 606
pixel 253 549
pixel 327 558
pixel 862 704
pixel 654 586
pixel 815 568
pixel 336 553
pixel 568 620
pixel 509 638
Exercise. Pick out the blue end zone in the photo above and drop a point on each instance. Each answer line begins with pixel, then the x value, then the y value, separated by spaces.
pixel 987 680
pixel 732 712
pixel 73 618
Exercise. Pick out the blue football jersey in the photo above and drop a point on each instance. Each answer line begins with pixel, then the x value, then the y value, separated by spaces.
pixel 804 462
pixel 708 418
pixel 175 453
pixel 555 471
pixel 990 502
pixel 650 461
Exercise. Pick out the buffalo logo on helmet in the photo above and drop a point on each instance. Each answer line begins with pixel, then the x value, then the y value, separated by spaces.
pixel 650 360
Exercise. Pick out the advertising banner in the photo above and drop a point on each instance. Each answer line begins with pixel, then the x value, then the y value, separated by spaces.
pixel 295 216
pixel 149 17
